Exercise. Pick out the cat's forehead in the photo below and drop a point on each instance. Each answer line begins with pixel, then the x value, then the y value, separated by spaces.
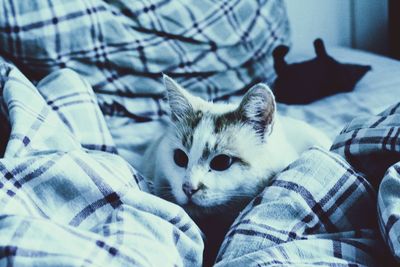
pixel 207 129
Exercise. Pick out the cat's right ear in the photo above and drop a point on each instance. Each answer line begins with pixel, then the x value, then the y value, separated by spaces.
pixel 258 108
pixel 178 99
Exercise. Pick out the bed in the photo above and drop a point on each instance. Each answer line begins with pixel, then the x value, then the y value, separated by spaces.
pixel 77 114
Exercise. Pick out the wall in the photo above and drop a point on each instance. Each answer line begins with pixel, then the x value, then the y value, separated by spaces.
pixel 371 25
pixel 359 24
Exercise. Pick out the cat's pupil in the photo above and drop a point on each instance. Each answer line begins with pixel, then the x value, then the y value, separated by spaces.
pixel 180 158
pixel 221 162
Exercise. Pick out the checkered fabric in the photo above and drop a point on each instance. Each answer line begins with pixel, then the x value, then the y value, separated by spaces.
pixel 65 198
pixel 319 212
pixel 121 47
pixel 322 211
pixel 373 146
pixel 68 199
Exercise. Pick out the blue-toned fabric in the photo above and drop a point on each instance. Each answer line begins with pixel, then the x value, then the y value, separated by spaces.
pixel 68 198
pixel 121 47
pixel 324 211
pixel 65 198
pixel 319 212
pixel 373 146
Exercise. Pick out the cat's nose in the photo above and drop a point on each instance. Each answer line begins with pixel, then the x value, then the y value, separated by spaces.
pixel 189 189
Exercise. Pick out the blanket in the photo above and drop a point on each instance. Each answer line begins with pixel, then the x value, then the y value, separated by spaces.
pixel 121 47
pixel 69 192
pixel 323 210
pixel 67 198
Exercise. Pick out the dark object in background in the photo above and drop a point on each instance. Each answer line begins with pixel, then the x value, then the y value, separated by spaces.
pixel 307 81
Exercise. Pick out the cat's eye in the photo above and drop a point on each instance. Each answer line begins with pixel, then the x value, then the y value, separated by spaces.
pixel 180 158
pixel 221 162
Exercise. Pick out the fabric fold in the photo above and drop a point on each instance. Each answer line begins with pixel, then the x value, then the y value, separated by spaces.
pixel 65 199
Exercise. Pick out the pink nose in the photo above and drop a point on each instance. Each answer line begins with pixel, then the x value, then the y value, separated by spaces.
pixel 189 189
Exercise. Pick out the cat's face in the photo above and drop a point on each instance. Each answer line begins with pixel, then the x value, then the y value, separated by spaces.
pixel 215 151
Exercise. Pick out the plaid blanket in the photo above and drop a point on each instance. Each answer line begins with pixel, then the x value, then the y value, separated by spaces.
pixel 322 211
pixel 313 214
pixel 65 198
pixel 121 47
pixel 372 145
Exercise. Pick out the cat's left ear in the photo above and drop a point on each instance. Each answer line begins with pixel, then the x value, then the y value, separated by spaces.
pixel 258 107
pixel 178 99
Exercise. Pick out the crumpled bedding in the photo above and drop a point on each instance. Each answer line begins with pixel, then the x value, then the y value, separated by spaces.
pixel 323 211
pixel 68 199
pixel 121 47
pixel 69 194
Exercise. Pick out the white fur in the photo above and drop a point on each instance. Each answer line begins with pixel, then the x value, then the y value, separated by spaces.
pixel 281 146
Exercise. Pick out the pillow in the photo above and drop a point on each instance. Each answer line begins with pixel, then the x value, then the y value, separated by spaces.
pixel 122 47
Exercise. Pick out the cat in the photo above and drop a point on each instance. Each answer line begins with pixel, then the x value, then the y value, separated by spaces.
pixel 215 157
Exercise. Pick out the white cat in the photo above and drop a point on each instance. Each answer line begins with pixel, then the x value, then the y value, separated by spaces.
pixel 216 155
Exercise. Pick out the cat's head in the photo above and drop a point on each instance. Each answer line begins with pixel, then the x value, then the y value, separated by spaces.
pixel 216 151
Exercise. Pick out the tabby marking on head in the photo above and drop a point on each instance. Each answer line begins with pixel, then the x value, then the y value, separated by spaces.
pixel 218 155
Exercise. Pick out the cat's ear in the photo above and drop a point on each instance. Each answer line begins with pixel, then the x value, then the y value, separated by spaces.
pixel 258 107
pixel 178 99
